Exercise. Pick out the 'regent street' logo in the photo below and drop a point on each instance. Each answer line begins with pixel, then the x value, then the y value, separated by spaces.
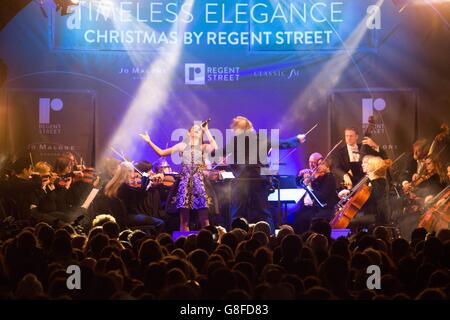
pixel 194 73
pixel 48 106
pixel 200 74
pixel 368 105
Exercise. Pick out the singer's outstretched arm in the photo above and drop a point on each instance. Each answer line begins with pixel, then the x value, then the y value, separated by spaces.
pixel 158 150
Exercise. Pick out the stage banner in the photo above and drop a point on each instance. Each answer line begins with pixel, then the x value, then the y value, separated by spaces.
pixel 260 25
pixel 394 113
pixel 48 123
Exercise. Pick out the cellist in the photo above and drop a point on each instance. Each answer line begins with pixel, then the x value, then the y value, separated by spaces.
pixel 376 210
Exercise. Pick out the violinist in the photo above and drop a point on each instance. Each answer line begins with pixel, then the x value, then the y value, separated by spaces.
pixel 376 210
pixel 63 169
pixel 319 179
pixel 440 146
pixel 152 183
pixel 47 209
pixel 72 187
pixel 123 187
pixel 73 162
pixel 47 202
pixel 415 164
pixel 20 190
pixel 417 194
pixel 429 183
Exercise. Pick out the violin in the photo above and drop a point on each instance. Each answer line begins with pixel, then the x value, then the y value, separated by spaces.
pixel 421 179
pixel 85 174
pixel 141 181
pixel 168 180
pixel 309 175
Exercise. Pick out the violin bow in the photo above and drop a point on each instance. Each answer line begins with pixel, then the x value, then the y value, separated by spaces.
pixel 398 158
pixel 331 151
pixel 125 159
pixel 31 159
pixel 223 161
pixel 328 154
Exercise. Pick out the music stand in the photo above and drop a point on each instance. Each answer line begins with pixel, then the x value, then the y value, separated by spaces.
pixel 286 192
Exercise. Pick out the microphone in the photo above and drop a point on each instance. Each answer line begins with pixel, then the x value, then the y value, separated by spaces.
pixel 204 123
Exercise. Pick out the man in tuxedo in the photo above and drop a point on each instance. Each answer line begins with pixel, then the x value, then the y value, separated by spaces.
pixel 347 159
pixel 247 153
pixel 321 187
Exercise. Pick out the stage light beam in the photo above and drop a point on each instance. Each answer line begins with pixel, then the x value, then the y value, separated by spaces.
pixel 151 95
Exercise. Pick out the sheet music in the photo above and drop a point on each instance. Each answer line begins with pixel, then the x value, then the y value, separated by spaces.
pixel 293 195
pixel 90 198
pixel 227 175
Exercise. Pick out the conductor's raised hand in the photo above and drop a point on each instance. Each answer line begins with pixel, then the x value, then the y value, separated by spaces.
pixel 301 138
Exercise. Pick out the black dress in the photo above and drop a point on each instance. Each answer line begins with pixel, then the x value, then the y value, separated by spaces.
pixel 376 210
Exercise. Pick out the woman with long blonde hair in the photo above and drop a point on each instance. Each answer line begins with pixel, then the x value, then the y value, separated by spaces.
pixel 124 174
pixel 378 204
pixel 119 187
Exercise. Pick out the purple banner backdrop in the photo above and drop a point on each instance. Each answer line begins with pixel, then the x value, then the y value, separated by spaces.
pixel 394 112
pixel 49 122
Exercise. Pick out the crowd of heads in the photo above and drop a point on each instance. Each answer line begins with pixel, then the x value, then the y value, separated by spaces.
pixel 244 263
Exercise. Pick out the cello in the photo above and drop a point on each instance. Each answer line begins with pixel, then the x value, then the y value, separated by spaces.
pixel 437 216
pixel 349 206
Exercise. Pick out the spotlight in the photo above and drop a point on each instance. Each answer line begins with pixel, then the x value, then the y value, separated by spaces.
pixel 401 4
pixel 63 5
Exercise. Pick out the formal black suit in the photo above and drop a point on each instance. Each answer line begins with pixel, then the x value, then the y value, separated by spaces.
pixel 250 189
pixel 324 188
pixel 342 164
pixel 21 194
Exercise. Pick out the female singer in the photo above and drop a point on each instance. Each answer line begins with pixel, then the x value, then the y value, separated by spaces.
pixel 192 192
